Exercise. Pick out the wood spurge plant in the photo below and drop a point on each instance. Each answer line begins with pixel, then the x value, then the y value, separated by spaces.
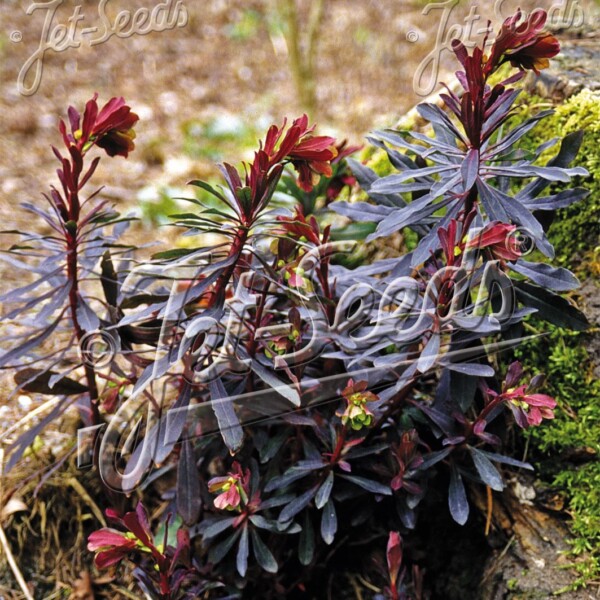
pixel 287 400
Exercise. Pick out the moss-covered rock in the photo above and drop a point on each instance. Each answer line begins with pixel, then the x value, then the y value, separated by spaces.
pixel 571 442
pixel 575 231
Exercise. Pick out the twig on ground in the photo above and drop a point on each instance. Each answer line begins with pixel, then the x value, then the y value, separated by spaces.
pixel 13 565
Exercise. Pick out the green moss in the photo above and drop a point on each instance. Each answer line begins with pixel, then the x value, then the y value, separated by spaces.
pixel 575 232
pixel 377 159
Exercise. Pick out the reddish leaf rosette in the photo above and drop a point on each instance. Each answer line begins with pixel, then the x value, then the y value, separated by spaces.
pixel 310 155
pixel 524 43
pixel 233 488
pixel 110 128
pixel 528 408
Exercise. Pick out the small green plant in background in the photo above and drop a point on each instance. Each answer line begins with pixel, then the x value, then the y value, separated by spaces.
pixel 213 138
pixel 245 26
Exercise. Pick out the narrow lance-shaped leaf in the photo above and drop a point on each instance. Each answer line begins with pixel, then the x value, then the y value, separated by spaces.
pixel 296 505
pixel 109 279
pixel 32 343
pixel 264 557
pixel 241 559
pixel 470 168
pixel 554 278
pixel 324 492
pixel 487 471
pixel 38 381
pixel 329 522
pixel 457 498
pixel 551 307
pixel 306 543
pixel 188 485
pixel 229 423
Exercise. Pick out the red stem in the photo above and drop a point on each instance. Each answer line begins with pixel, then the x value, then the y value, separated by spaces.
pixel 72 274
pixel 339 446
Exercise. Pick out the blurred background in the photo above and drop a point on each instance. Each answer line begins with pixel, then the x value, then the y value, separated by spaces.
pixel 209 85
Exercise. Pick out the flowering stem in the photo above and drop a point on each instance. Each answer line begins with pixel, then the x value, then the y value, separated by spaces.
pixel 72 275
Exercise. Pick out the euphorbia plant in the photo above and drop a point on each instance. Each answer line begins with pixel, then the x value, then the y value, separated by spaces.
pixel 54 306
pixel 293 402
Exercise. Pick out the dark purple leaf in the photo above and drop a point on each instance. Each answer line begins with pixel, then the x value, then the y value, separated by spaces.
pixel 457 498
pixel 88 320
pixel 306 543
pixel 229 423
pixel 470 168
pixel 282 481
pixel 554 278
pixel 429 354
pixel 38 381
pixel 472 369
pixel 16 449
pixel 441 419
pixel 210 530
pixel 296 505
pixel 518 132
pixel 17 294
pixel 241 559
pixel 507 460
pixel 434 114
pixel 189 500
pixel 565 156
pixel 276 501
pixel 560 200
pixel 463 388
pixel 171 426
pixel 361 211
pixel 367 484
pixel 32 343
pixel 267 376
pixel 273 526
pixel 492 203
pixel 551 308
pixel 109 279
pixel 328 522
pixel 263 555
pixel 487 471
pixel 324 492
pixel 218 552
